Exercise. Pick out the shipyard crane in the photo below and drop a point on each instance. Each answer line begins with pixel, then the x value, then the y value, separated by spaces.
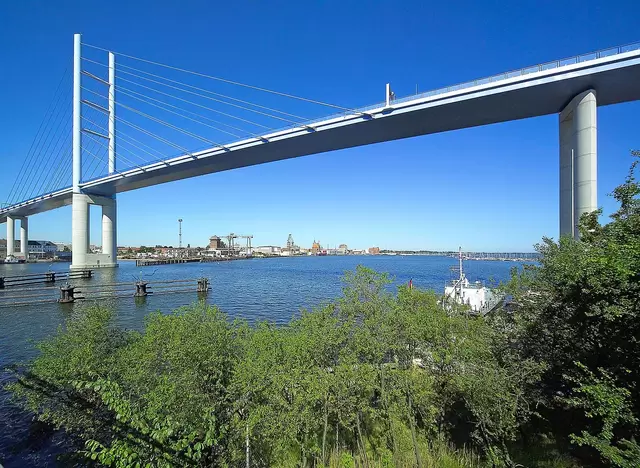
pixel 231 244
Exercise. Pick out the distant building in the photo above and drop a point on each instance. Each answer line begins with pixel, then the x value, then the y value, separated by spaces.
pixel 42 249
pixel 62 245
pixel 215 243
pixel 374 250
pixel 316 248
pixel 62 255
pixel 342 249
pixel 268 250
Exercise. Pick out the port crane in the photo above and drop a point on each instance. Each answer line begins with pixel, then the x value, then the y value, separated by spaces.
pixel 231 243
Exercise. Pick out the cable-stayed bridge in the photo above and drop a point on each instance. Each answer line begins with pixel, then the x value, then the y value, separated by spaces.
pixel 135 123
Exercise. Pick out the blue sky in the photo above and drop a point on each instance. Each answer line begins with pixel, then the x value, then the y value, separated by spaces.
pixel 404 194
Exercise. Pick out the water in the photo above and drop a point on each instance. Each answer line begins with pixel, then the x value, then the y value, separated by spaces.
pixel 273 289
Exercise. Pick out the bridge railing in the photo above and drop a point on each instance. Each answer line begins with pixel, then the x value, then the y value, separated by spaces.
pixel 495 78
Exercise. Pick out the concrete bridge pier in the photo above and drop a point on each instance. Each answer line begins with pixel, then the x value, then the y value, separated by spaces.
pixel 109 243
pixel 578 161
pixel 81 258
pixel 24 237
pixel 11 236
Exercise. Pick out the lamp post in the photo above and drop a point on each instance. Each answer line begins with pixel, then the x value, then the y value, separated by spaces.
pixel 179 237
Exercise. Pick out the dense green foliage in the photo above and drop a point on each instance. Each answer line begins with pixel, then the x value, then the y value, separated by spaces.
pixel 374 378
pixel 579 312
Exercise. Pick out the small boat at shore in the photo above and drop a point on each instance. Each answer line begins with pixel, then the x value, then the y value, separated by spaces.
pixel 13 259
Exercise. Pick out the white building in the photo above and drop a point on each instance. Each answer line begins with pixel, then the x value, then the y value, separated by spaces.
pixel 42 249
pixel 268 250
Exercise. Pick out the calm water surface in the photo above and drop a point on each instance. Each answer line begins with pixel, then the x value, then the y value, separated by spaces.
pixel 273 289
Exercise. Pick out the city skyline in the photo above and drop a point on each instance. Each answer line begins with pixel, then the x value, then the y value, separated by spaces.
pixel 492 188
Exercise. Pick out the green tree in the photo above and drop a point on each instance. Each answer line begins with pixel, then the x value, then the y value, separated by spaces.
pixel 580 305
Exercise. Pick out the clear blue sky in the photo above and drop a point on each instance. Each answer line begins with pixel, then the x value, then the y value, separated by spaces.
pixel 403 194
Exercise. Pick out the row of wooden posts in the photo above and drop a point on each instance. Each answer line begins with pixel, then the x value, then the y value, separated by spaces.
pixel 68 292
pixel 27 289
pixel 47 277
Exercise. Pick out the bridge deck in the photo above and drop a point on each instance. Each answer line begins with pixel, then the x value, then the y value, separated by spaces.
pixel 616 79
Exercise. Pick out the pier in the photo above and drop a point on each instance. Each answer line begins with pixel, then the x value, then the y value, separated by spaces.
pixel 170 261
pixel 69 293
pixel 48 277
pixel 164 261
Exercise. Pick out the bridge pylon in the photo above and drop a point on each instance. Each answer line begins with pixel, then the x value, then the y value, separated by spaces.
pixel 81 257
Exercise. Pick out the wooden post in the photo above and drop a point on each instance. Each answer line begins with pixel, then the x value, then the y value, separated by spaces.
pixel 203 285
pixel 66 294
pixel 141 289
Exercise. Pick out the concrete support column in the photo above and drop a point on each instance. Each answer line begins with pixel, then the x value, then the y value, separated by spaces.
pixel 79 230
pixel 578 161
pixel 24 238
pixel 11 236
pixel 109 232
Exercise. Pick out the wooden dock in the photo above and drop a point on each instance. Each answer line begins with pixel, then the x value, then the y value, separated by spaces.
pixel 170 261
pixel 164 261
pixel 70 293
pixel 48 277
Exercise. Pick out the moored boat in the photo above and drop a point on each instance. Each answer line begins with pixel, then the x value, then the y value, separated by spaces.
pixel 479 298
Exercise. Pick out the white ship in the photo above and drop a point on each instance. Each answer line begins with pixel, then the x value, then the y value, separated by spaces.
pixel 478 297
pixel 12 259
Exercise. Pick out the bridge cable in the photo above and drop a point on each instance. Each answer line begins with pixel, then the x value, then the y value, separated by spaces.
pixel 36 176
pixel 103 145
pixel 37 140
pixel 66 170
pixel 157 137
pixel 291 96
pixel 196 104
pixel 127 90
pixel 186 101
pixel 43 178
pixel 302 119
pixel 120 66
pixel 126 93
pixel 121 172
pixel 119 144
pixel 173 112
pixel 92 165
pixel 62 155
pixel 15 181
pixel 51 160
pixel 47 141
pixel 51 186
pixel 207 97
pixel 121 135
pixel 100 161
pixel 167 124
pixel 120 78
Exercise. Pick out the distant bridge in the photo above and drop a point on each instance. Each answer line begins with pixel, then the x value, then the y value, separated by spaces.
pixel 572 88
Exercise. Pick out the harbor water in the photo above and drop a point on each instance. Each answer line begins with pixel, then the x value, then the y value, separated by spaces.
pixel 273 289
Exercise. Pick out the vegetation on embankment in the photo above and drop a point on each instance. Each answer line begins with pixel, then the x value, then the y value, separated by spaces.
pixel 374 378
